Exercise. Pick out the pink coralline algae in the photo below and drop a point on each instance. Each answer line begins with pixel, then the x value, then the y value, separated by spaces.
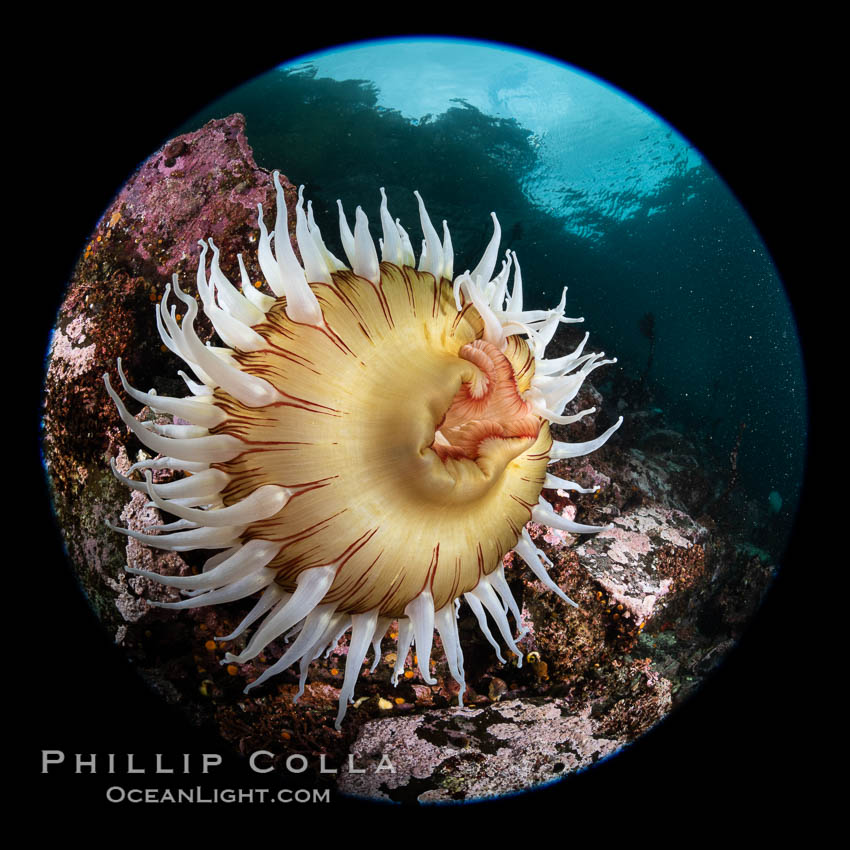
pixel 201 184
pixel 475 753
pixel 70 353
pixel 625 547
pixel 631 562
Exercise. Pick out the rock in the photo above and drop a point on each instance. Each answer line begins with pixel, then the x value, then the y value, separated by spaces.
pixel 646 556
pixel 467 754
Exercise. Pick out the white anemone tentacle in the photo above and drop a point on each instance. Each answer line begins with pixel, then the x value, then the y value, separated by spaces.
pixel 480 615
pixel 185 541
pixel 392 250
pixel 561 365
pixel 247 559
pixel 484 269
pixel 315 268
pixel 500 585
pixel 365 261
pixel 405 639
pixel 211 449
pixel 332 263
pixel 173 337
pixel 262 302
pixel 205 484
pixel 338 622
pixel 310 586
pixel 420 611
pixel 180 432
pixel 493 330
pixel 263 503
pixel 432 253
pixel 274 595
pixel 362 629
pixel 240 589
pixel 446 622
pixel 251 390
pixel 380 630
pixel 232 302
pixel 532 555
pixel 200 411
pixel 486 595
pixel 515 301
pixel 552 482
pixel 544 514
pixel 177 525
pixel 448 253
pixel 346 236
pixel 266 258
pixel 201 390
pixel 301 303
pixel 344 627
pixel 172 463
pixel 562 450
pixel 314 624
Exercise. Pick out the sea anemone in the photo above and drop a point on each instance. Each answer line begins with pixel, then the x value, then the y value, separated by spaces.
pixel 367 447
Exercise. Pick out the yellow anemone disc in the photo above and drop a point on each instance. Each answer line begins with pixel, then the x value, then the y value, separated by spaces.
pixel 379 490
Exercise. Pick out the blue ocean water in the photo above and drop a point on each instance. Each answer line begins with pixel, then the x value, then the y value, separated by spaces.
pixel 592 190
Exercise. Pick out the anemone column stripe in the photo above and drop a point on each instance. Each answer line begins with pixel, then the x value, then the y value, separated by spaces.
pixel 369 447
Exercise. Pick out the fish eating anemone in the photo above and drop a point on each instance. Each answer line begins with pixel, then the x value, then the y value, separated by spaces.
pixel 365 447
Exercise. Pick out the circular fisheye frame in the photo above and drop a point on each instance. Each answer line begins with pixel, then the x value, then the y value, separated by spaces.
pixel 407 409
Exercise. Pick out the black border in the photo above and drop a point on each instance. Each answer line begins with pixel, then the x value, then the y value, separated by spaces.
pixel 99 102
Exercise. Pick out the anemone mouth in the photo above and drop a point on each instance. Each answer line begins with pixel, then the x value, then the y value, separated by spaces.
pixel 487 407
pixel 367 447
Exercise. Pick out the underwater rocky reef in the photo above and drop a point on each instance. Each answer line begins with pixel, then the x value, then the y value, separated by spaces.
pixel 662 596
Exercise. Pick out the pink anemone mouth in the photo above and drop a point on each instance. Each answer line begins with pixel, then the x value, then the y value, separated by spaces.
pixel 487 408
